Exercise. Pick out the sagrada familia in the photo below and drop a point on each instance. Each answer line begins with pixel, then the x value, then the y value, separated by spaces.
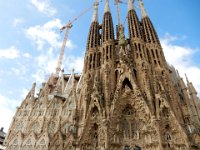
pixel 127 97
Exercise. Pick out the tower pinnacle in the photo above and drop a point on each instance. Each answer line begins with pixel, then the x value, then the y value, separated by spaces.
pixel 95 14
pixel 142 9
pixel 107 7
pixel 130 5
pixel 187 79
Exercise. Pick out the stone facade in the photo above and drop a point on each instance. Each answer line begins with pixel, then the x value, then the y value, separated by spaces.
pixel 127 97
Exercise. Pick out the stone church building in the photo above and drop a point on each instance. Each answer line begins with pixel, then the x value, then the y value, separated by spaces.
pixel 127 97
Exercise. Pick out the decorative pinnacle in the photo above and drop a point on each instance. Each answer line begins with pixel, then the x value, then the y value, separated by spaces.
pixel 95 14
pixel 187 78
pixel 177 73
pixel 130 5
pixel 73 70
pixel 107 7
pixel 142 9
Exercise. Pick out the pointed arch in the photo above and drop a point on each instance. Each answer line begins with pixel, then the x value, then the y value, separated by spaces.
pixel 127 83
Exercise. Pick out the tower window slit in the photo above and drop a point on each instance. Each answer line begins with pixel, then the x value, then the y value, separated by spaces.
pixel 157 53
pixel 139 47
pixel 94 60
pixel 97 62
pixel 90 64
pixel 110 51
pixel 103 57
pixel 100 59
pixel 106 52
pixel 147 31
pixel 152 53
pixel 148 56
pixel 135 46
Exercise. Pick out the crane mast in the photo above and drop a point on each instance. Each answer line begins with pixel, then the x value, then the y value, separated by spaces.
pixel 67 28
pixel 118 12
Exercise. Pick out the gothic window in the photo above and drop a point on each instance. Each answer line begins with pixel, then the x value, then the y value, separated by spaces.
pixel 95 112
pixel 168 139
pixel 125 128
pixel 94 136
pixel 134 130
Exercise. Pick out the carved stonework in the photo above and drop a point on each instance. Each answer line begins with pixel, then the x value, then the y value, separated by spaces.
pixel 127 98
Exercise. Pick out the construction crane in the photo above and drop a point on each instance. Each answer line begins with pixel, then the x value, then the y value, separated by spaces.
pixel 118 12
pixel 67 28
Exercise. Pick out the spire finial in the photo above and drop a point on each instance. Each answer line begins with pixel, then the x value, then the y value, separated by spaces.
pixel 107 7
pixel 130 5
pixel 73 70
pixel 142 9
pixel 95 14
pixel 187 78
pixel 177 73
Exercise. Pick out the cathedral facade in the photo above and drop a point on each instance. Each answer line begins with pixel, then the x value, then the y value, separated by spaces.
pixel 127 97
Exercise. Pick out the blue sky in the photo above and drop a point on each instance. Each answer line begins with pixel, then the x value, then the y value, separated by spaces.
pixel 30 41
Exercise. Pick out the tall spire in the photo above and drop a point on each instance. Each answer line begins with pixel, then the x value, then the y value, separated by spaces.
pixel 133 21
pixel 130 5
pixel 142 9
pixel 95 14
pixel 107 7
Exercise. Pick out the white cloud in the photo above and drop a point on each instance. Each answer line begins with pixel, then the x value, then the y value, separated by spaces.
pixel 45 34
pixel 48 34
pixel 24 93
pixel 182 59
pixel 17 21
pixel 27 55
pixel 44 6
pixel 7 108
pixel 9 53
pixel 74 62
